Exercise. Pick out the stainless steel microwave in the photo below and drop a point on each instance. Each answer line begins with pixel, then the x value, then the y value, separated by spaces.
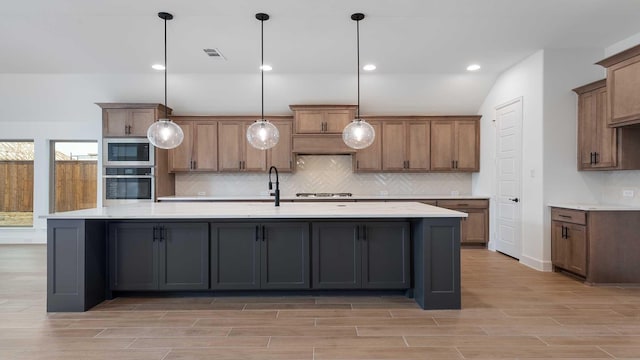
pixel 128 184
pixel 127 152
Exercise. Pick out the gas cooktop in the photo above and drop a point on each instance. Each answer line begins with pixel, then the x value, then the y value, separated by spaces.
pixel 333 195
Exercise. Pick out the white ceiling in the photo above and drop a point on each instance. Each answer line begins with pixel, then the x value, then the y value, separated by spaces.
pixel 302 36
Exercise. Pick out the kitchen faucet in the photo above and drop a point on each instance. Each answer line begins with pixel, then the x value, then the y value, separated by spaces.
pixel 277 192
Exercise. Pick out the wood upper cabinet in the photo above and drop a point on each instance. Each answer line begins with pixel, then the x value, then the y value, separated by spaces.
pixel 322 119
pixel 124 120
pixel 199 149
pixel 405 145
pixel 281 155
pixel 455 144
pixel 235 152
pixel 370 159
pixel 596 141
pixel 623 84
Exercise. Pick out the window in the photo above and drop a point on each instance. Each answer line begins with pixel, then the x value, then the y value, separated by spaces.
pixel 75 172
pixel 16 183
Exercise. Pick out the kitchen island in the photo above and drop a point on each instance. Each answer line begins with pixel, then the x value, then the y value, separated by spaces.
pixel 213 248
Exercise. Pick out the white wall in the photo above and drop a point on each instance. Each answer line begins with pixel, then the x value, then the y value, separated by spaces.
pixel 524 80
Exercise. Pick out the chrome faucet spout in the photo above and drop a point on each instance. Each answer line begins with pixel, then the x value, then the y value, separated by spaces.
pixel 277 191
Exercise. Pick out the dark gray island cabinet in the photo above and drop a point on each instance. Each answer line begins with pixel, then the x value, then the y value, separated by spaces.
pixel 96 254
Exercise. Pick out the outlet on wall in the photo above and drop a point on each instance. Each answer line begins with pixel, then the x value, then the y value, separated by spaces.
pixel 628 193
pixel 201 193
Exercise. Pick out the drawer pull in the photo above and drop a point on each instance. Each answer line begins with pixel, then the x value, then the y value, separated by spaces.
pixel 565 216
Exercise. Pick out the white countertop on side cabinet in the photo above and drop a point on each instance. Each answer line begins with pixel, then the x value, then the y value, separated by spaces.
pixel 295 198
pixel 595 207
pixel 261 210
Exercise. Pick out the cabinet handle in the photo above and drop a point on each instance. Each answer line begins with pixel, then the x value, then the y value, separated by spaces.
pixel 155 233
pixel 408 164
pixel 456 164
pixel 357 232
pixel 164 233
pixel 566 232
pixel 463 205
pixel 264 233
pixel 590 158
pixel 364 232
pixel 257 232
pixel 564 216
pixel 195 165
pixel 357 164
pixel 595 157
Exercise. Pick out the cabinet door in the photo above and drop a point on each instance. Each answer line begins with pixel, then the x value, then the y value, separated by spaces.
pixel 285 256
pixel 559 245
pixel 606 156
pixel 337 120
pixel 442 145
pixel 622 81
pixel 281 155
pixel 577 256
pixel 336 256
pixel 205 146
pixel 140 120
pixel 385 255
pixel 466 146
pixel 181 156
pixel 229 147
pixel 184 256
pixel 309 121
pixel 370 158
pixel 132 256
pixel 254 160
pixel 115 122
pixel 235 250
pixel 393 146
pixel 587 129
pixel 474 227
pixel 418 149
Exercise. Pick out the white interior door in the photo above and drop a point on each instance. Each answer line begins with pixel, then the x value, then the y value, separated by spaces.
pixel 509 178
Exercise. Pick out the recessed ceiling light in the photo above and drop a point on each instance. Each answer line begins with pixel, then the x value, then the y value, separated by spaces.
pixel 369 67
pixel 157 67
pixel 266 67
pixel 473 67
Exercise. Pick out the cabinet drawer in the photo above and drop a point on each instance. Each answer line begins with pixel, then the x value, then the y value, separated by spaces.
pixel 462 203
pixel 568 215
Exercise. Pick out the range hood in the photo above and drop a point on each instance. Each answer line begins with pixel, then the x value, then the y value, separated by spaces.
pixel 320 144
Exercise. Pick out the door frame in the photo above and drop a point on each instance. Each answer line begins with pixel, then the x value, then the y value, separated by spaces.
pixel 493 244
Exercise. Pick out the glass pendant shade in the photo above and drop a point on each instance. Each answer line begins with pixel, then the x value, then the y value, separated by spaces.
pixel 165 134
pixel 359 134
pixel 263 135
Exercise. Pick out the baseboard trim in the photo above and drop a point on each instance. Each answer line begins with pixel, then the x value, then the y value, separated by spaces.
pixel 23 236
pixel 536 264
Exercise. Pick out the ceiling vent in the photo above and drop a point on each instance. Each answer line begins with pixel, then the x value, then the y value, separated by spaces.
pixel 214 53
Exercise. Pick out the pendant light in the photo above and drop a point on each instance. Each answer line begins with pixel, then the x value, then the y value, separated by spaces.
pixel 262 134
pixel 164 133
pixel 359 134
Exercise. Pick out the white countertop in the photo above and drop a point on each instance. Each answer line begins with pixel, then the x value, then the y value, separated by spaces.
pixel 289 198
pixel 595 207
pixel 261 210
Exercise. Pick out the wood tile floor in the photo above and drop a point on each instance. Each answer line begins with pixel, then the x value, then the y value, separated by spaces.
pixel 509 312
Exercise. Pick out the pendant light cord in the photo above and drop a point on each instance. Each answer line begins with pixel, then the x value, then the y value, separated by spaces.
pixel 358 57
pixel 262 67
pixel 165 69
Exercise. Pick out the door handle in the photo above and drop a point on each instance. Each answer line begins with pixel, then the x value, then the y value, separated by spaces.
pixel 514 199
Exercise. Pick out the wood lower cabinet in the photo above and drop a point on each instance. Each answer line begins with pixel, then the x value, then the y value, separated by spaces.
pixel 322 119
pixel 154 256
pixel 405 145
pixel 235 152
pixel 455 144
pixel 475 228
pixel 371 255
pixel 600 246
pixel 199 149
pixel 260 256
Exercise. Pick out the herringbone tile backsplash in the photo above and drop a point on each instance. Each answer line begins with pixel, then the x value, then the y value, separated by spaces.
pixel 324 174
